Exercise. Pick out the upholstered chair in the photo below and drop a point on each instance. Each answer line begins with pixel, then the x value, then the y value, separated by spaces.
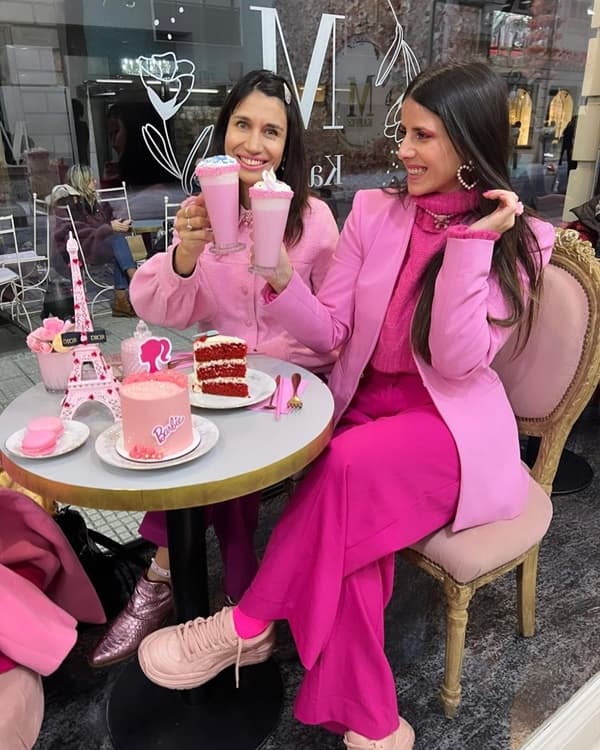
pixel 549 383
pixel 21 708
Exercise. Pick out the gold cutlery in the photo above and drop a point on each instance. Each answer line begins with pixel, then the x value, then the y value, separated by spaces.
pixel 271 405
pixel 295 402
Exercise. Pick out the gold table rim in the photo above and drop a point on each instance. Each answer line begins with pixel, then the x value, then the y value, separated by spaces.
pixel 188 496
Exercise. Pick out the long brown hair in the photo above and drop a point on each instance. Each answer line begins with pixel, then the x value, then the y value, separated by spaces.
pixel 472 102
pixel 294 166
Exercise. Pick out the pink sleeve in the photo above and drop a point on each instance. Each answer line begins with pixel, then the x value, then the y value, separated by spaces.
pixel 324 322
pixel 467 294
pixel 161 296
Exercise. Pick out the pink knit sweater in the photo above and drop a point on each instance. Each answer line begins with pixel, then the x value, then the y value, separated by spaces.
pixel 393 353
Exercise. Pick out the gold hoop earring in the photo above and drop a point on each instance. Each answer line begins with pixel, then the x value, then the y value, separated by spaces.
pixel 462 180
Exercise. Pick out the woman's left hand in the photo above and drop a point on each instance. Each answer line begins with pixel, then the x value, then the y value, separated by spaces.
pixel 503 217
pixel 278 277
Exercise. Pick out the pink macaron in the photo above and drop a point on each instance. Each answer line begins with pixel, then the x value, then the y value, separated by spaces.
pixel 47 424
pixel 38 442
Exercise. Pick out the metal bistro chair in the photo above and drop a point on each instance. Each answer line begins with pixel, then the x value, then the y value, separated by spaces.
pixel 118 195
pixel 40 213
pixel 62 214
pixel 170 213
pixel 549 384
pixel 19 262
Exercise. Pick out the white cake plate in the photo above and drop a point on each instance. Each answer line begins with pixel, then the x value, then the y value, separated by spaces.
pixel 106 447
pixel 75 434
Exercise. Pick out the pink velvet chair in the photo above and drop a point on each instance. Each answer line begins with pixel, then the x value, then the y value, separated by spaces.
pixel 21 708
pixel 549 383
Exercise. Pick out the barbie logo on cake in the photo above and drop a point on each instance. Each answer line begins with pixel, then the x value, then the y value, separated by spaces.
pixel 163 431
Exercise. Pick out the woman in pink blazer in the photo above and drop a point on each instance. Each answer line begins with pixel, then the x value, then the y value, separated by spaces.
pixel 261 126
pixel 428 282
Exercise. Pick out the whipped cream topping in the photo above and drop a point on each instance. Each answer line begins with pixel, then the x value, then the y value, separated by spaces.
pixel 220 160
pixel 270 182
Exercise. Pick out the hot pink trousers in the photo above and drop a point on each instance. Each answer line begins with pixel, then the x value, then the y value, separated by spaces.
pixel 389 477
pixel 235 524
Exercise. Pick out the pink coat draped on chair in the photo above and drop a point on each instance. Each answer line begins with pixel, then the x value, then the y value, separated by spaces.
pixel 38 627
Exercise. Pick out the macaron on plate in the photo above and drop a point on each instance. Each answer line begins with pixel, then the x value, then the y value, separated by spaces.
pixel 46 437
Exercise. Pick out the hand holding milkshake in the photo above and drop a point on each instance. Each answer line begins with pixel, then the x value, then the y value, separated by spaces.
pixel 270 200
pixel 219 180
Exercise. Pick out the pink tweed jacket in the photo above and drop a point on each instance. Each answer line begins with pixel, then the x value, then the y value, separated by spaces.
pixel 222 295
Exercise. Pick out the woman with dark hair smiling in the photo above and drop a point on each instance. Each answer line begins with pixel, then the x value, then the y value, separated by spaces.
pixel 427 283
pixel 261 127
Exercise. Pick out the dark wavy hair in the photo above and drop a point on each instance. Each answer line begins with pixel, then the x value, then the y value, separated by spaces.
pixel 294 167
pixel 472 102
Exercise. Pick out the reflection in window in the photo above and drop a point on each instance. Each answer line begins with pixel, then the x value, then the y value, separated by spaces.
pixel 560 111
pixel 520 110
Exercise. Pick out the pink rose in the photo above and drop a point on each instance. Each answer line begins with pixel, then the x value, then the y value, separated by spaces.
pixel 41 339
pixel 35 341
pixel 52 326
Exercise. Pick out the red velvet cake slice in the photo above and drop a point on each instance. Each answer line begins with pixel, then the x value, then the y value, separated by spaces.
pixel 220 365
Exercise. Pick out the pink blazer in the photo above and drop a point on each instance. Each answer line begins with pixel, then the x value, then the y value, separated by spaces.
pixel 38 628
pixel 222 295
pixel 350 308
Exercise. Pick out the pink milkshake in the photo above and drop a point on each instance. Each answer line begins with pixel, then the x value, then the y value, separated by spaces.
pixel 219 180
pixel 270 200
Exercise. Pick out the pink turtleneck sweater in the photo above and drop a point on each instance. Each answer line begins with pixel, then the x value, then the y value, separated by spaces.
pixel 393 353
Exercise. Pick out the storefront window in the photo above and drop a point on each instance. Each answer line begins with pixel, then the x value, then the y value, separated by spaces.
pixel 132 87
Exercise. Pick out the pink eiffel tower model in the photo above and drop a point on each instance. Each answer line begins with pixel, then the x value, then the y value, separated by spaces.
pixel 104 388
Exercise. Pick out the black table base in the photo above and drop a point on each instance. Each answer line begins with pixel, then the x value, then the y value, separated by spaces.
pixel 143 716
pixel 573 474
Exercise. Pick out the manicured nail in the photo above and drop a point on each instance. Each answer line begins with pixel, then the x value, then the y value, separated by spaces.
pixel 518 208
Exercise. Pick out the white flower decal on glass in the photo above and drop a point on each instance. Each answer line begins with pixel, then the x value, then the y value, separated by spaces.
pixel 174 80
pixel 411 68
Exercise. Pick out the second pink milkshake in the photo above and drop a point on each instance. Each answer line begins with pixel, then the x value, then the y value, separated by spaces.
pixel 270 200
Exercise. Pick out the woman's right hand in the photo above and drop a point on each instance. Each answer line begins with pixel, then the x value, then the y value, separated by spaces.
pixel 193 227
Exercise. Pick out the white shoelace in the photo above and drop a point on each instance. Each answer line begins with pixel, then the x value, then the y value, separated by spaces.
pixel 207 634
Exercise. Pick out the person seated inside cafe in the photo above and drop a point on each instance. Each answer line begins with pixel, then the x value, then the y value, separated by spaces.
pixel 100 232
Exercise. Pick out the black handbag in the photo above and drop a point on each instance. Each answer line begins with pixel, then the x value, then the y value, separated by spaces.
pixel 113 568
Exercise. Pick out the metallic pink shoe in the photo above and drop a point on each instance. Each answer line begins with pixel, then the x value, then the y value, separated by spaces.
pixel 402 739
pixel 148 609
pixel 186 656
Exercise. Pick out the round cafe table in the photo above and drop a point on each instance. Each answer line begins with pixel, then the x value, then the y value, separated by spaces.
pixel 254 451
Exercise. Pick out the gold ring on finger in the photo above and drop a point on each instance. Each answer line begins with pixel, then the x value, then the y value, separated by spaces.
pixel 185 212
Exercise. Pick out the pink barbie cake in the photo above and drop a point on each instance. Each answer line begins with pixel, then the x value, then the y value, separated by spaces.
pixel 156 414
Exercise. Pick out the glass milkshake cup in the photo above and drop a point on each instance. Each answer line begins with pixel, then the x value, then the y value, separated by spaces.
pixel 219 180
pixel 270 201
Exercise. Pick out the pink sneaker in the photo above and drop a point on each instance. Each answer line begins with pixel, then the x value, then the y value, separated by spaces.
pixel 186 656
pixel 402 739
